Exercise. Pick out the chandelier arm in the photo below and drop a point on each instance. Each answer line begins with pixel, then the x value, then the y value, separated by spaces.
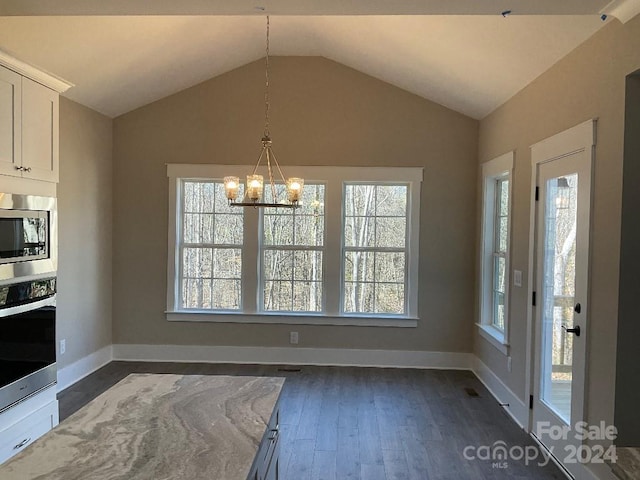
pixel 273 185
pixel 275 160
pixel 255 169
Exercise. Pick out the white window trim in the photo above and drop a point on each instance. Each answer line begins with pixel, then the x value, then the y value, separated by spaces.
pixel 333 178
pixel 500 167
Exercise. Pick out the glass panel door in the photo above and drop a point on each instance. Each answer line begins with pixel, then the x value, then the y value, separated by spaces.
pixel 558 293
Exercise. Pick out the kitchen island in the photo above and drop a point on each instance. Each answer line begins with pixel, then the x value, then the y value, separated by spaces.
pixel 163 426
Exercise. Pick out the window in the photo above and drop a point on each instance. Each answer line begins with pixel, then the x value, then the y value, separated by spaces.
pixel 292 253
pixel 210 248
pixel 499 241
pixel 495 250
pixel 347 256
pixel 375 242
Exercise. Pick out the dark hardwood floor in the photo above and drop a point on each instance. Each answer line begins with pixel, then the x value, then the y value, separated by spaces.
pixel 365 423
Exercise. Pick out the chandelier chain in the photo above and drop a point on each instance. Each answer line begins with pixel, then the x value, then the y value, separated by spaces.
pixel 266 87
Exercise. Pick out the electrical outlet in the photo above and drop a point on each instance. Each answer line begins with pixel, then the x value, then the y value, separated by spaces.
pixel 517 278
pixel 63 346
pixel 509 364
pixel 293 338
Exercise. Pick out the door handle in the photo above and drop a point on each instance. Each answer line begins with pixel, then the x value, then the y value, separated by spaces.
pixel 575 330
pixel 577 308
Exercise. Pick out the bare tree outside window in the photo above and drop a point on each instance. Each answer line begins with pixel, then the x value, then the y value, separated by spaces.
pixel 292 253
pixel 210 243
pixel 375 248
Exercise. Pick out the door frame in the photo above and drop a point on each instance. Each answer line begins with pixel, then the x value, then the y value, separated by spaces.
pixel 581 138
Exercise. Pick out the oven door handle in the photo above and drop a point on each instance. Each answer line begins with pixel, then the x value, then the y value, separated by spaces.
pixel 27 307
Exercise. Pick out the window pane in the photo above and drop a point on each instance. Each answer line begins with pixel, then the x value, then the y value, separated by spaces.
pixel 358 297
pixel 278 265
pixel 389 298
pixel 391 200
pixel 502 234
pixel 390 267
pixel 499 274
pixel 228 229
pixel 309 230
pixel 312 202
pixel 359 232
pixel 227 294
pixel 307 297
pixel 198 196
pixel 278 229
pixel 358 266
pixel 359 200
pixel 499 289
pixel 278 295
pixel 191 293
pixel 190 262
pixel 227 262
pixel 206 293
pixel 498 310
pixel 198 228
pixel 307 265
pixel 196 262
pixel 503 197
pixel 390 232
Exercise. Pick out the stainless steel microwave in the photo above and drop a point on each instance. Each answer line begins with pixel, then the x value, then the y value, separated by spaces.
pixel 28 237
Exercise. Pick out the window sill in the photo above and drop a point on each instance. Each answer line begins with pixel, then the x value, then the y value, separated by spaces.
pixel 290 319
pixel 494 336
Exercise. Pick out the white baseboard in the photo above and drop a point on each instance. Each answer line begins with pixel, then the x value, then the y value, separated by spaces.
pixel 293 356
pixel 516 408
pixel 79 369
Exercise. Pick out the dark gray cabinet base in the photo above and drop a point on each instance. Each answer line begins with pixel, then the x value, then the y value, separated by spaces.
pixel 266 465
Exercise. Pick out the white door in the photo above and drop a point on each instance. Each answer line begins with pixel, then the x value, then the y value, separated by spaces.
pixel 561 291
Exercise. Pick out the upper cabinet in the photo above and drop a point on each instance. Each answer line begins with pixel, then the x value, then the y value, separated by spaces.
pixel 29 125
pixel 39 132
pixel 10 121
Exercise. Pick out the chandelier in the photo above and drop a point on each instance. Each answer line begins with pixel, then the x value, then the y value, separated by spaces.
pixel 254 186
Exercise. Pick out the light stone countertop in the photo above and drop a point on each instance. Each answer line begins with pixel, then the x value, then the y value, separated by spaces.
pixel 155 427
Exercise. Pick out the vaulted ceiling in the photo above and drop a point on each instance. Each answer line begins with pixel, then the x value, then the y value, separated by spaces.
pixel 124 54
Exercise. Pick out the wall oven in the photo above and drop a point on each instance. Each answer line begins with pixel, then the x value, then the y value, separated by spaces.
pixel 27 339
pixel 28 237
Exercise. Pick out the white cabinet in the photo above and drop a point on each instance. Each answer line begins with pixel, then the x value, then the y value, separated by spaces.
pixel 24 423
pixel 10 122
pixel 39 132
pixel 29 121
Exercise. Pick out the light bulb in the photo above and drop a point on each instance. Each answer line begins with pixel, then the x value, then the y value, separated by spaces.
pixel 294 189
pixel 231 185
pixel 255 185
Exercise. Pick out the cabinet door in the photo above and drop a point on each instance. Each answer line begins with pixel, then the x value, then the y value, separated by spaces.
pixel 10 108
pixel 39 132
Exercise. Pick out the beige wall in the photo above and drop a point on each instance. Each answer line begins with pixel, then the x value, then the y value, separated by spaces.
pixel 323 113
pixel 588 83
pixel 85 238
